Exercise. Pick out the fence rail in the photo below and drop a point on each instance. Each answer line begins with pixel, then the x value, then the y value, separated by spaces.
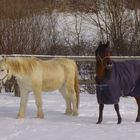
pixel 86 65
pixel 77 58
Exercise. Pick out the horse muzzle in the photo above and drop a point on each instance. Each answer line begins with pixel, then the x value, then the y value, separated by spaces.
pixel 4 74
pixel 109 66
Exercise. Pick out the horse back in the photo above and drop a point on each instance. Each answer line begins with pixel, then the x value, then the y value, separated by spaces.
pixel 57 63
pixel 57 72
pixel 127 74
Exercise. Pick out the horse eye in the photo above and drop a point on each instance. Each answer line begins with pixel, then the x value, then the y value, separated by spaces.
pixel 2 70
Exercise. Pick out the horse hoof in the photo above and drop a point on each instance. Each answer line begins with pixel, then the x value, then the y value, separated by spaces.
pixel 75 114
pixel 137 120
pixel 68 112
pixel 119 121
pixel 20 116
pixel 98 122
pixel 40 116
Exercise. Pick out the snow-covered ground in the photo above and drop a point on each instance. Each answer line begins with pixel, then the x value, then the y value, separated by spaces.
pixel 57 126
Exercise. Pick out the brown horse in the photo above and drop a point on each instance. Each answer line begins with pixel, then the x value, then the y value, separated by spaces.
pixel 115 79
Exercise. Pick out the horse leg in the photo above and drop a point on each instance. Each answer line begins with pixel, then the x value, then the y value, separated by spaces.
pixel 23 102
pixel 116 106
pixel 100 118
pixel 73 101
pixel 38 99
pixel 67 100
pixel 138 114
pixel 72 95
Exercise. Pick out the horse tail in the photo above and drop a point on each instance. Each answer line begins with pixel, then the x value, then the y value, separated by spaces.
pixel 76 86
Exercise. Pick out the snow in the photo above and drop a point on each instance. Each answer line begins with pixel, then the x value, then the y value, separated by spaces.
pixel 57 126
pixel 70 24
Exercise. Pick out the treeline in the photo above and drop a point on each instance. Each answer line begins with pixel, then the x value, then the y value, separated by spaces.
pixel 59 27
pixel 31 27
pixel 119 21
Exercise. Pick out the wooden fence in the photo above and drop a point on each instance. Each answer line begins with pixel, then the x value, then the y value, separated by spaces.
pixel 86 66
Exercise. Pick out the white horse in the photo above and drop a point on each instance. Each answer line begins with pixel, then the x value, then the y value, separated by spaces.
pixel 36 75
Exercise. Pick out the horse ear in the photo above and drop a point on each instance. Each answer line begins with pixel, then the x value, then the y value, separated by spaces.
pixel 108 43
pixel 100 43
pixel 4 58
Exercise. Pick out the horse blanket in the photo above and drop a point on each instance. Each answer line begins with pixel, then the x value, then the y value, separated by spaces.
pixel 123 79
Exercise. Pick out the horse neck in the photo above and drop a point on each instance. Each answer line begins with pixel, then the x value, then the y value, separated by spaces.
pixel 100 71
pixel 19 66
pixel 12 66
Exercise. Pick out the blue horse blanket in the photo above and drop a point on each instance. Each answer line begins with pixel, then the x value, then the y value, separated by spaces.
pixel 123 79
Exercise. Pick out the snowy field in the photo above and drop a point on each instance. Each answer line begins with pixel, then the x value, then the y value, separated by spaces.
pixel 57 126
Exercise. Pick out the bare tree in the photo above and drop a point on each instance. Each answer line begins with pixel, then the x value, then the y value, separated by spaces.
pixel 117 23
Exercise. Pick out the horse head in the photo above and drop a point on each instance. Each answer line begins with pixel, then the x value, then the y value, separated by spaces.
pixel 3 69
pixel 103 59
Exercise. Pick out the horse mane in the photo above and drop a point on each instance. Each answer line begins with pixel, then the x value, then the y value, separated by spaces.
pixel 22 65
